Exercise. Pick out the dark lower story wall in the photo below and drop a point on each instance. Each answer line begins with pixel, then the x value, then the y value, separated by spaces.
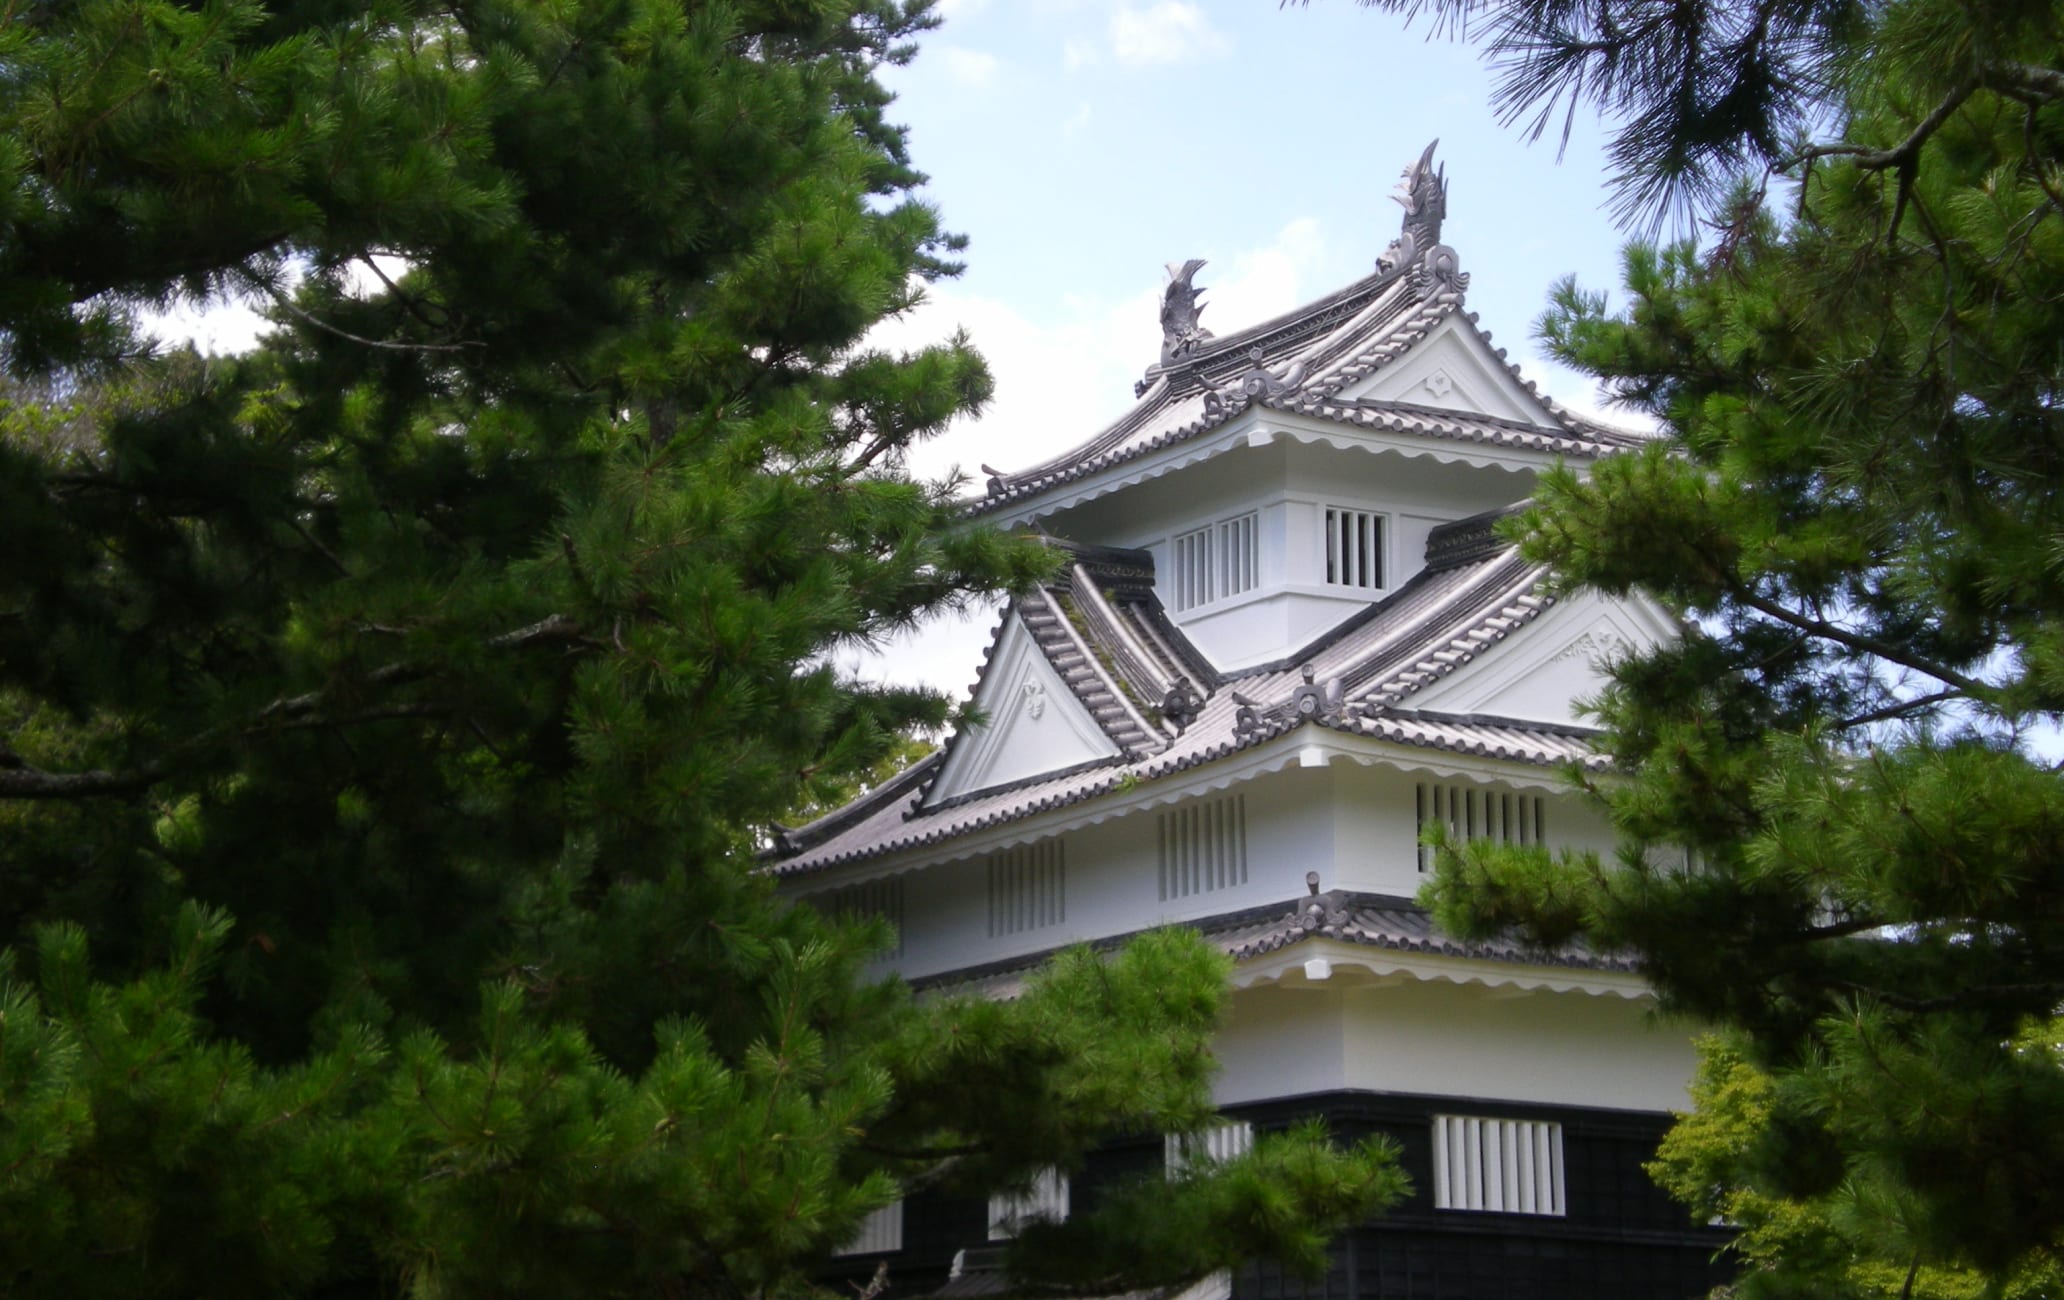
pixel 1621 1238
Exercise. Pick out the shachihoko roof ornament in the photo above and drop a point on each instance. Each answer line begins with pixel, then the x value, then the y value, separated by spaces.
pixel 1181 305
pixel 1423 193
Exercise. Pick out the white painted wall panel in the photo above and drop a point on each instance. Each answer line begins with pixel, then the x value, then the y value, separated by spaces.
pixel 1574 1049
pixel 1281 1042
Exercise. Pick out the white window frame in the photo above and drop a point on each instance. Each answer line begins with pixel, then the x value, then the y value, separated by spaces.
pixel 1491 1165
pixel 1353 568
pixel 1202 847
pixel 1216 562
pixel 1480 812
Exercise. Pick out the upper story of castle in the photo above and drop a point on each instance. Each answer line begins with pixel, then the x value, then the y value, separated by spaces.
pixel 1287 476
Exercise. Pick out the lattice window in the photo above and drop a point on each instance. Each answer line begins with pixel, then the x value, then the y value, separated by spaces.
pixel 1203 847
pixel 879 1232
pixel 1028 888
pixel 1047 1199
pixel 1507 1166
pixel 1473 812
pixel 1354 548
pixel 1219 1142
pixel 882 898
pixel 1239 554
pixel 1216 561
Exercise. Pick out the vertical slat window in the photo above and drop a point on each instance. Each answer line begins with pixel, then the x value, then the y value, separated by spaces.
pixel 1354 548
pixel 882 898
pixel 1471 812
pixel 1239 554
pixel 1047 1199
pixel 1203 847
pixel 1191 559
pixel 880 1232
pixel 1220 1142
pixel 1499 1166
pixel 1028 888
pixel 1216 561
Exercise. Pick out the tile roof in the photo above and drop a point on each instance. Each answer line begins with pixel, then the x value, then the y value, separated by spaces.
pixel 1363 920
pixel 1119 648
pixel 1299 363
pixel 1396 924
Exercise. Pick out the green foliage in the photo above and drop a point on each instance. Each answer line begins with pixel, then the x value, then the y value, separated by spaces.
pixel 397 706
pixel 1153 1228
pixel 1840 839
pixel 1851 1241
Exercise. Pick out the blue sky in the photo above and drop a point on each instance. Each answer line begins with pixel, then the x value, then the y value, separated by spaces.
pixel 1082 144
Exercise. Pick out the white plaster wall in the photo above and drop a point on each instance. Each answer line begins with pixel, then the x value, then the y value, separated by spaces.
pixel 1541 675
pixel 1455 1040
pixel 1376 812
pixel 1035 724
pixel 1267 624
pixel 1356 826
pixel 1575 1049
pixel 1281 1042
pixel 1289 832
pixel 1288 484
pixel 1112 884
pixel 1416 495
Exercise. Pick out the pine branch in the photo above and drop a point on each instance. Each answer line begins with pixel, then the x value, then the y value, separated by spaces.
pixel 295 712
pixel 1858 641
pixel 360 339
pixel 1906 151
pixel 2024 79
pixel 33 783
pixel 1901 709
pixel 1986 995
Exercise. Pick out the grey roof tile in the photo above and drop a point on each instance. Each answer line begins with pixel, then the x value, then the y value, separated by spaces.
pixel 1360 673
pixel 1298 363
pixel 1364 920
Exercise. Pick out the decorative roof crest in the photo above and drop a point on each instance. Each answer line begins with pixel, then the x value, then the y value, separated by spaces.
pixel 1180 308
pixel 1423 193
pixel 1256 381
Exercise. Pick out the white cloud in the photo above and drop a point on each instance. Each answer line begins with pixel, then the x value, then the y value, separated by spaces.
pixel 968 67
pixel 214 326
pixel 1076 121
pixel 1258 283
pixel 1171 31
pixel 1078 53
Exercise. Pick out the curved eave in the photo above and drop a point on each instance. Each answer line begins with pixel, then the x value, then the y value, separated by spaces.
pixel 1364 964
pixel 1265 425
pixel 1359 965
pixel 1124 791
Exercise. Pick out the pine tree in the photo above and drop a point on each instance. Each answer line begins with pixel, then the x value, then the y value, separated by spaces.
pixel 387 715
pixel 1842 829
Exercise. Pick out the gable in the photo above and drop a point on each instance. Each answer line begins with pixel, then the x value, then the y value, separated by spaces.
pixel 1455 368
pixel 1034 723
pixel 1538 674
